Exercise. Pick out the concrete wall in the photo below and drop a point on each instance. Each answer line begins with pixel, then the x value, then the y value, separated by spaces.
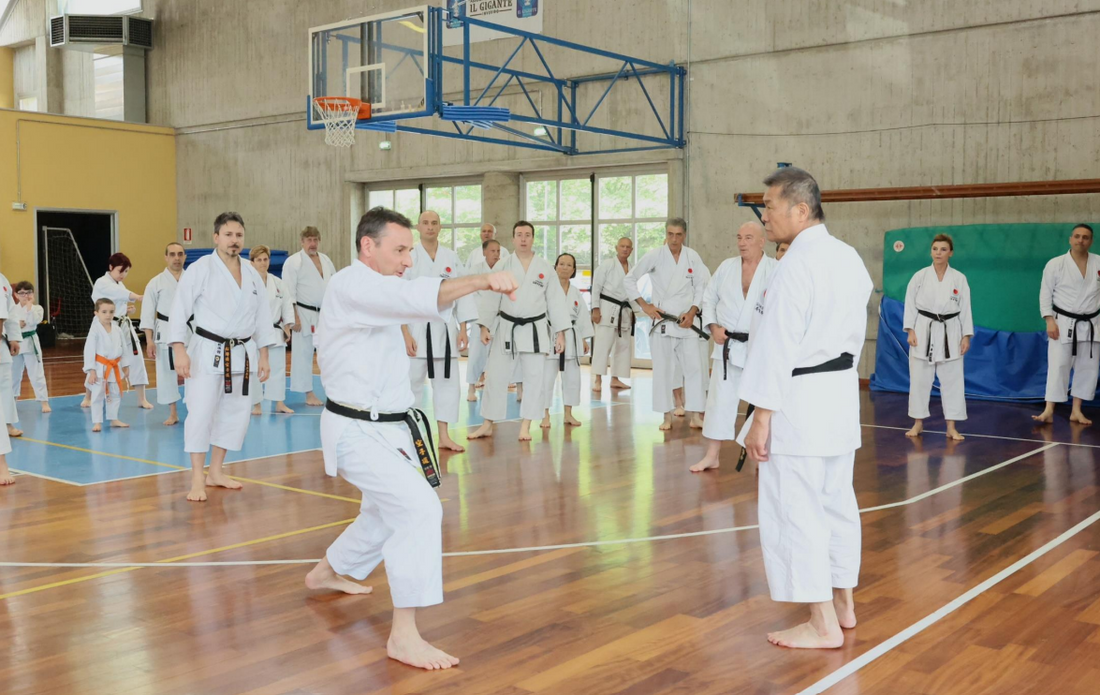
pixel 7 78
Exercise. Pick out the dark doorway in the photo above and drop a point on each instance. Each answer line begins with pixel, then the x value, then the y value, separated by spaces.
pixel 73 248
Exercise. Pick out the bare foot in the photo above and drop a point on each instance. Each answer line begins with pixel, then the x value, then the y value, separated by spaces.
pixel 323 577
pixel 46 408
pixel 416 652
pixel 13 432
pixel 618 385
pixel 525 431
pixel 953 433
pixel 845 610
pixel 571 421
pixel 85 403
pixel 545 424
pixel 6 478
pixel 486 430
pixel 445 442
pixel 313 400
pixel 707 463
pixel 257 409
pixel 679 412
pixel 197 494
pixel 281 407
pixel 222 480
pixel 172 420
pixel 146 405
pixel 696 422
pixel 118 423
pixel 667 423
pixel 597 385
pixel 1046 416
pixel 804 636
pixel 1077 417
pixel 97 427
pixel 918 427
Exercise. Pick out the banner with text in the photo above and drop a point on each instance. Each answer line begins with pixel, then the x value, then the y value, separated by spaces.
pixel 516 14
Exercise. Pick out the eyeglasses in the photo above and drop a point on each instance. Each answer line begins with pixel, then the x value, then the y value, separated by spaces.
pixel 26 293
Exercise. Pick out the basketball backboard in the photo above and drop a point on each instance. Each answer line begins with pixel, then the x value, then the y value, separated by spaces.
pixel 382 60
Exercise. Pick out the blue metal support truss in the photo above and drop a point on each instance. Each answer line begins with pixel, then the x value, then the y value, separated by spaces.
pixel 561 122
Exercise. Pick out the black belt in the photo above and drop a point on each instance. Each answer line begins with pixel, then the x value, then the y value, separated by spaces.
pixel 171 357
pixel 446 354
pixel 127 327
pixel 669 317
pixel 838 364
pixel 311 308
pixel 418 426
pixel 730 337
pixel 161 316
pixel 942 318
pixel 623 305
pixel 576 350
pixel 516 321
pixel 227 354
pixel 1078 318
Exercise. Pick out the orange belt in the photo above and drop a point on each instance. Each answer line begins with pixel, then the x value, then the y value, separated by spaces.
pixel 111 365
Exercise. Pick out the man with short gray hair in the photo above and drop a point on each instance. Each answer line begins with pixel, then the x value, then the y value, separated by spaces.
pixel 800 375
pixel 488 233
pixel 306 275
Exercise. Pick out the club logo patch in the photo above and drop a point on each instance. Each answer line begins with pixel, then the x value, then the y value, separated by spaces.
pixel 541 276
pixel 690 271
pixel 576 303
pixel 447 269
pixel 955 291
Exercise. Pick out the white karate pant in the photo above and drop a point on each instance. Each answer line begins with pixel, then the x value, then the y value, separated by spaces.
pixel 809 526
pixel 301 358
pixel 168 389
pixel 668 354
pixel 399 520
pixel 138 374
pixel 723 397
pixel 607 343
pixel 33 365
pixel 500 370
pixel 7 390
pixel 5 442
pixel 570 383
pixel 952 391
pixel 215 418
pixel 445 392
pixel 1085 370
pixel 274 389
pixel 475 362
pixel 105 395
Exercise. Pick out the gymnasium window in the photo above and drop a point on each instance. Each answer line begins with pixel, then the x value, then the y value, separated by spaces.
pixel 458 205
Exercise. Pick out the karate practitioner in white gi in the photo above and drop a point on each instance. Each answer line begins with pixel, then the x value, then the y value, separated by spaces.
pixel 478 351
pixel 12 346
pixel 306 274
pixel 518 332
pixel 155 307
pixel 801 376
pixel 435 345
pixel 730 302
pixel 366 437
pixel 473 261
pixel 30 359
pixel 679 278
pixel 232 332
pixel 613 316
pixel 939 324
pixel 282 314
pixel 105 364
pixel 568 363
pixel 1069 299
pixel 111 287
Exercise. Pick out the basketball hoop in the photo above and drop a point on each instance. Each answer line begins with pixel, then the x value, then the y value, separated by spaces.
pixel 339 115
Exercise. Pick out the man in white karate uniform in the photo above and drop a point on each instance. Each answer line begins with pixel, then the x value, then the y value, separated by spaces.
pixel 434 345
pixel 479 352
pixel 232 331
pixel 730 302
pixel 613 317
pixel 520 333
pixel 488 233
pixel 1069 300
pixel 801 377
pixel 306 274
pixel 679 278
pixel 157 302
pixel 12 343
pixel 367 428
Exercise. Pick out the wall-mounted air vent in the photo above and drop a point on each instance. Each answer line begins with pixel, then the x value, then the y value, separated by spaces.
pixel 86 32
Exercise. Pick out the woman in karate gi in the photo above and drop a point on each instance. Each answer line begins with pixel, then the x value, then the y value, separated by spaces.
pixel 518 332
pixel 282 314
pixel 939 325
pixel 111 287
pixel 568 363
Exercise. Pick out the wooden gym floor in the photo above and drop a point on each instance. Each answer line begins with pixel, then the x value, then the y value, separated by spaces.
pixel 589 561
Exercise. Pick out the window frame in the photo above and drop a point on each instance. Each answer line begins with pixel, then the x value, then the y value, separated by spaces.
pixel 422 187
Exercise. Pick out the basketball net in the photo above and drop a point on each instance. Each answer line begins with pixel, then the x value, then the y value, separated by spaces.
pixel 339 115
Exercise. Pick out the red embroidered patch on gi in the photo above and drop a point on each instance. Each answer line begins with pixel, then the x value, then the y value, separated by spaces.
pixel 689 270
pixel 956 291
pixel 447 269
pixel 541 276
pixel 575 303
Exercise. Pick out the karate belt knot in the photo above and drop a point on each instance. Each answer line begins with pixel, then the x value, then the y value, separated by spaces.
pixel 226 356
pixel 698 330
pixel 843 363
pixel 419 428
pixel 30 334
pixel 517 321
pixel 1078 318
pixel 942 318
pixel 623 305
pixel 128 330
pixel 731 336
pixel 109 367
pixel 446 352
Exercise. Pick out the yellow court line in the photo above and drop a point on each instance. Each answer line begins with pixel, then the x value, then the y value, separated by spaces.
pixel 182 468
pixel 179 558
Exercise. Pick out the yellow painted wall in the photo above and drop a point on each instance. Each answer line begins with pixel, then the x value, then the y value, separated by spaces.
pixel 7 79
pixel 87 164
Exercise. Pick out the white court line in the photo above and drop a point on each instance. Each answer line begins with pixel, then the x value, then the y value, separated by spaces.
pixel 45 477
pixel 539 548
pixel 929 620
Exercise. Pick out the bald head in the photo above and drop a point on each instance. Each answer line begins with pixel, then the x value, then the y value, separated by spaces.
pixel 750 241
pixel 623 248
pixel 428 226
